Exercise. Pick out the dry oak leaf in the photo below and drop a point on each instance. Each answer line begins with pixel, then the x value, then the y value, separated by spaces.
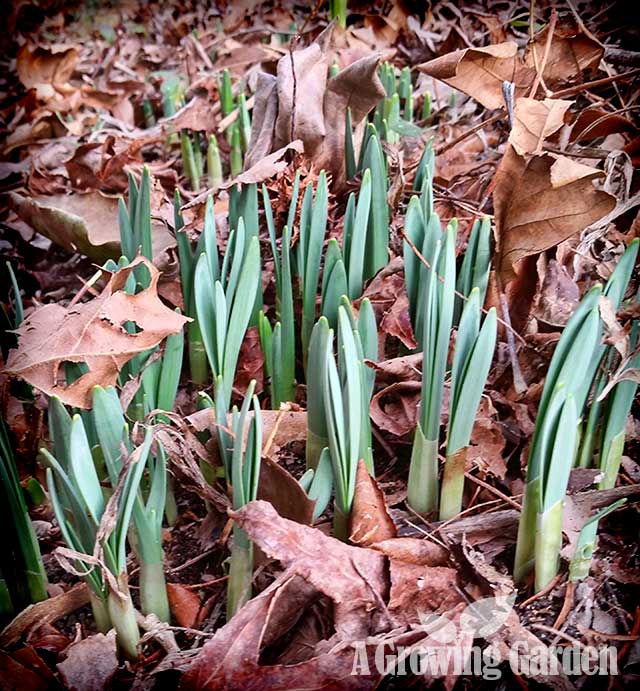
pixel 230 660
pixel 534 121
pixel 540 202
pixel 572 51
pixel 316 115
pixel 94 333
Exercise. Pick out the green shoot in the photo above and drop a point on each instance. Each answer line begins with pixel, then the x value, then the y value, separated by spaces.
pixel 113 436
pixel 476 264
pixel 214 164
pixel 338 10
pixel 245 473
pixel 437 303
pixel 79 506
pixel 347 394
pixel 471 362
pixel 22 575
pixel 551 453
pixel 221 296
pixel 313 225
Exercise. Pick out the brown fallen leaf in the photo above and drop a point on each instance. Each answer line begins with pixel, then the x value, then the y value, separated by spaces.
pixel 278 487
pixel 230 660
pixel 44 612
pixel 86 223
pixel 595 122
pixel 403 368
pixel 315 566
pixel 279 427
pixel 90 663
pixel 316 114
pixel 395 408
pixel 353 577
pixel 370 518
pixel 572 51
pixel 266 167
pixel 541 201
pixel 46 69
pixel 396 321
pixel 534 121
pixel 413 551
pixel 250 363
pixel 419 589
pixel 19 674
pixel 92 332
pixel 558 295
pixel 480 72
pixel 185 605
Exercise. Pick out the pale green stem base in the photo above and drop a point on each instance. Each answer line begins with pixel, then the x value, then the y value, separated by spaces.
pixel 198 365
pixel 123 618
pixel 548 544
pixel 452 484
pixel 170 505
pixel 153 590
pixel 240 572
pixel 315 445
pixel 581 561
pixel 525 546
pixel 340 524
pixel 422 491
pixel 100 612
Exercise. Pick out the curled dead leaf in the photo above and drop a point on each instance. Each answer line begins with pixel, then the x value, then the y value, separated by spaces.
pixel 395 408
pixel 185 605
pixel 46 68
pixel 370 518
pixel 86 223
pixel 316 115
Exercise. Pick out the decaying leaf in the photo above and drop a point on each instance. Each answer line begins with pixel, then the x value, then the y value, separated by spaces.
pixel 370 519
pixel 86 223
pixel 540 202
pixel 229 661
pixel 90 663
pixel 480 72
pixel 284 492
pixel 94 333
pixel 45 612
pixel 46 68
pixel 353 577
pixel 534 121
pixel 316 114
pixel 394 409
pixel 184 603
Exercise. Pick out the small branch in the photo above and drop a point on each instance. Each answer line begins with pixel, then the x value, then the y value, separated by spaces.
pixel 489 121
pixel 597 82
pixel 545 55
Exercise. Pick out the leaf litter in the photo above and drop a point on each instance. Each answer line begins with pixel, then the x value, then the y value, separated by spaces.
pixel 531 124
